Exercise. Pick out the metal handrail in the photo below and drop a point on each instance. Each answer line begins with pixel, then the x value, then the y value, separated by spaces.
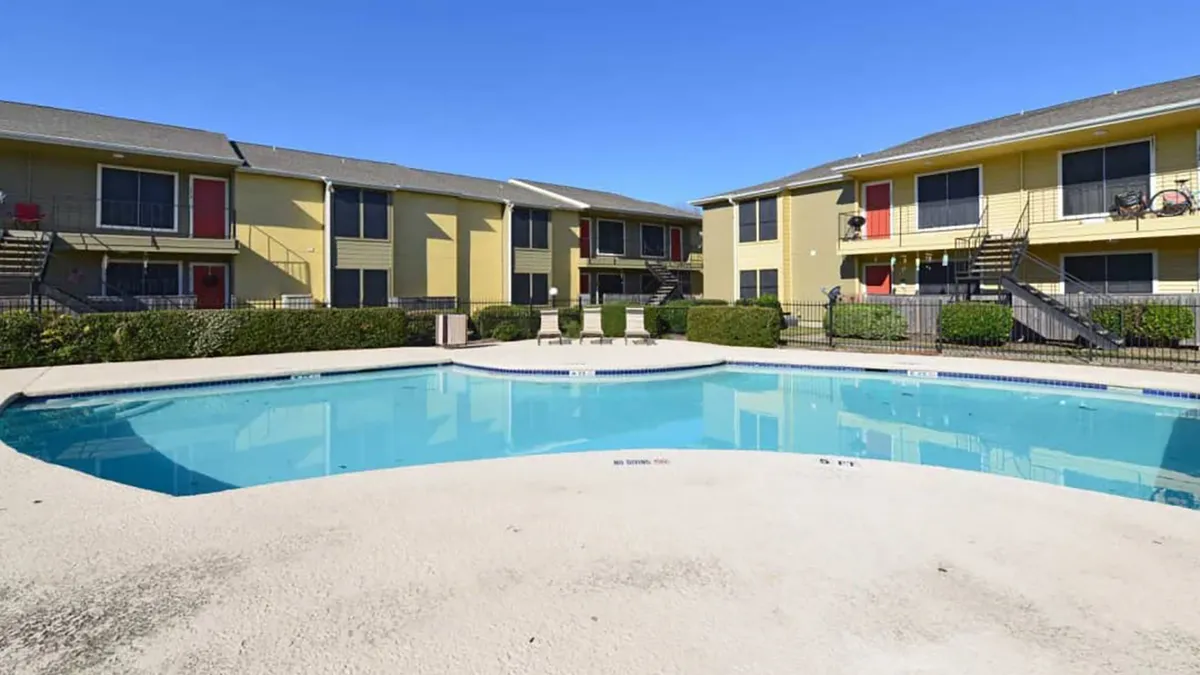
pixel 1087 289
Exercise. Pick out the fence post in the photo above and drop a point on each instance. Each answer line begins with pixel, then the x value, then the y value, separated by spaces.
pixel 829 320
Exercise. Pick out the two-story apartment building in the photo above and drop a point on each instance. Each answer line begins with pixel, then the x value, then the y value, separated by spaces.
pixel 101 211
pixel 631 247
pixel 137 208
pixel 911 219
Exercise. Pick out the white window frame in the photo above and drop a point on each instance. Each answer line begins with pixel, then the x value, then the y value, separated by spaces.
pixel 191 278
pixel 192 203
pixel 1104 215
pixel 862 208
pixel 105 261
pixel 917 200
pixel 642 241
pixel 1062 265
pixel 624 236
pixel 100 199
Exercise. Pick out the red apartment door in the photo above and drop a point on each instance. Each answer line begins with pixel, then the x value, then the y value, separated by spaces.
pixel 210 208
pixel 879 210
pixel 585 284
pixel 878 279
pixel 676 244
pixel 209 285
pixel 585 238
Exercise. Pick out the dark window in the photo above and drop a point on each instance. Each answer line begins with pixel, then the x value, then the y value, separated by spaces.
pixel 611 237
pixel 1117 273
pixel 748 221
pixel 539 224
pixel 934 278
pixel 649 283
pixel 610 283
pixel 768 226
pixel 375 215
pixel 375 288
pixel 768 282
pixel 540 289
pixel 347 212
pixel 520 228
pixel 531 228
pixel 749 285
pixel 520 289
pixel 654 241
pixel 346 292
pixel 1091 179
pixel 948 199
pixel 141 199
pixel 135 278
pixel 685 283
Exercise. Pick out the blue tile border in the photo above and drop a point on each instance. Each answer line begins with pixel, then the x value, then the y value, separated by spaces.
pixel 1166 393
pixel 1013 379
pixel 587 372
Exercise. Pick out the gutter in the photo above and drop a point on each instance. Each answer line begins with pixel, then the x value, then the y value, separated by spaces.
pixel 836 178
pixel 119 147
pixel 736 274
pixel 506 282
pixel 329 250
pixel 1081 125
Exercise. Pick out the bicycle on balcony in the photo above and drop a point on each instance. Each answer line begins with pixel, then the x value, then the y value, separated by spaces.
pixel 1175 201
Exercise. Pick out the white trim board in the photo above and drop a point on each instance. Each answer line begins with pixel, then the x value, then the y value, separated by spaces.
pixel 549 193
pixel 917 199
pixel 624 237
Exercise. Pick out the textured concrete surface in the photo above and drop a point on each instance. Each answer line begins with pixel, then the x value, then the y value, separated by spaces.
pixel 713 562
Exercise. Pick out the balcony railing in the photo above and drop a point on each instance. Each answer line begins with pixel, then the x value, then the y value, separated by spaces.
pixel 84 215
pixel 692 261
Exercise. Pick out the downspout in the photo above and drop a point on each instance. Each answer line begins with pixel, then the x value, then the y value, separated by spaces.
pixel 736 273
pixel 329 252
pixel 506 282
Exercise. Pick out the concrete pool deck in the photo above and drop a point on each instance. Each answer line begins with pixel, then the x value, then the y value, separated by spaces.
pixel 712 563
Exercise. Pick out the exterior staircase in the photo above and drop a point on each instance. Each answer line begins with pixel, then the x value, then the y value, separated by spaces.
pixel 992 265
pixel 23 260
pixel 669 287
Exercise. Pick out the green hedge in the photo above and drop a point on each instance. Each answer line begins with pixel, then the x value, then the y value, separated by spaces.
pixel 673 315
pixel 770 302
pixel 867 321
pixel 612 319
pixel 976 323
pixel 1147 323
pixel 43 339
pixel 738 326
pixel 521 322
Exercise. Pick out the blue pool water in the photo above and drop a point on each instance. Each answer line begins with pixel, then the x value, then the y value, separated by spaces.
pixel 192 441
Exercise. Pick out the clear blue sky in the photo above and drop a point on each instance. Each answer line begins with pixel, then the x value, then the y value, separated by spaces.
pixel 664 100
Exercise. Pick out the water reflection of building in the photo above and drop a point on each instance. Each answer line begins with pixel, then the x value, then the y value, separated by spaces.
pixel 964 427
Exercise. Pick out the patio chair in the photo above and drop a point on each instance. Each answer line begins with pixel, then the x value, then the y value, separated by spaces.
pixel 635 325
pixel 592 327
pixel 549 329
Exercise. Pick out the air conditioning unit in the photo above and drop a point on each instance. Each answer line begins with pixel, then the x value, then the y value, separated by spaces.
pixel 296 301
pixel 451 330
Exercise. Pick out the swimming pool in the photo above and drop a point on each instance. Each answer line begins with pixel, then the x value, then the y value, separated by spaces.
pixel 207 439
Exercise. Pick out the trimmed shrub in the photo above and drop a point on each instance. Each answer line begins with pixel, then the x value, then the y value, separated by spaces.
pixel 421 329
pixel 507 331
pixel 33 339
pixel 525 320
pixel 739 326
pixel 1147 324
pixel 768 301
pixel 20 337
pixel 976 323
pixel 673 315
pixel 570 321
pixel 612 319
pixel 867 321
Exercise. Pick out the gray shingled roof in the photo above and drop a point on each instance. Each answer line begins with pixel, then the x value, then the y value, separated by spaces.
pixel 41 124
pixel 1183 92
pixel 611 201
pixel 816 174
pixel 367 173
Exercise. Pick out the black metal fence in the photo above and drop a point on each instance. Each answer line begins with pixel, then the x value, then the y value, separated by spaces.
pixel 1158 331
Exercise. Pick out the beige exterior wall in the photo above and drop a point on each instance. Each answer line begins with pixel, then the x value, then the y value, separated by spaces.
pixel 64 183
pixel 813 259
pixel 426 254
pixel 720 280
pixel 564 247
pixel 280 232
pixel 481 254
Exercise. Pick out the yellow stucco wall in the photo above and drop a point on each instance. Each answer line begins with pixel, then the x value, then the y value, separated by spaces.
pixel 813 242
pixel 481 251
pixel 280 230
pixel 426 245
pixel 564 247
pixel 720 281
